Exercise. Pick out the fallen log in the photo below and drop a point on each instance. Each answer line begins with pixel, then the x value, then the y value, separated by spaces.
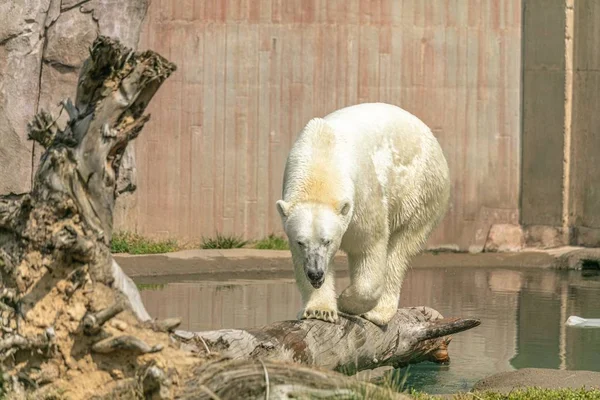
pixel 353 344
pixel 73 323
pixel 257 379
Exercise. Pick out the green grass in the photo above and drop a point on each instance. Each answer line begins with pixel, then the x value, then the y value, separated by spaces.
pixel 522 394
pixel 150 286
pixel 272 242
pixel 223 242
pixel 394 380
pixel 132 243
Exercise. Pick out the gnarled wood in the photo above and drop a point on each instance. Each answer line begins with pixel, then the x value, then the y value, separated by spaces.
pixel 353 344
pixel 60 284
pixel 73 322
pixel 260 379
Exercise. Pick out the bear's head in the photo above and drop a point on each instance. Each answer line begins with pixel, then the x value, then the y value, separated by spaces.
pixel 315 232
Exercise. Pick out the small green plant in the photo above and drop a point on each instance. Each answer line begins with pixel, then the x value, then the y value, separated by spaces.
pixel 223 242
pixel 394 380
pixel 132 243
pixel 272 242
pixel 150 286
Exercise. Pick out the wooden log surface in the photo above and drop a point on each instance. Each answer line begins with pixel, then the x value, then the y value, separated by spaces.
pixel 352 344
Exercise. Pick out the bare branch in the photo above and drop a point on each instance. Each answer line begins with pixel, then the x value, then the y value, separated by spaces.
pixel 21 342
pixel 156 384
pixel 448 326
pixel 125 343
pixel 165 325
pixel 43 128
pixel 10 206
pixel 92 323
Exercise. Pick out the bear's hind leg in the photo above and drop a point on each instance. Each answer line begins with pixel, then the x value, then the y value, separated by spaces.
pixel 403 245
pixel 367 279
pixel 318 303
pixel 387 306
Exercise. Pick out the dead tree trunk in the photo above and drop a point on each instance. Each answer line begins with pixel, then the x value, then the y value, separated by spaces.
pixel 257 379
pixel 73 323
pixel 414 335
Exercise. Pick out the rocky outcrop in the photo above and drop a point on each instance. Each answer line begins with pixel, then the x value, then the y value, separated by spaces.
pixel 42 46
pixel 22 31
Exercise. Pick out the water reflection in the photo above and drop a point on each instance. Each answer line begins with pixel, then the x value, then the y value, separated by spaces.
pixel 522 312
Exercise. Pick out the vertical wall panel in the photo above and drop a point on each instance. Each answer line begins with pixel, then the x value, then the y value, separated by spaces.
pixel 253 72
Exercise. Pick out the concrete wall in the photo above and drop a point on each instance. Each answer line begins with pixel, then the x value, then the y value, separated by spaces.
pixel 543 112
pixel 560 200
pixel 251 74
pixel 585 143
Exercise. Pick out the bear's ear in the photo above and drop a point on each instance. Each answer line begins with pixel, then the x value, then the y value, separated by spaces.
pixel 283 208
pixel 344 207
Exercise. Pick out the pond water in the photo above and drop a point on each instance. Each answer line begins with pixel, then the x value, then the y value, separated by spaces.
pixel 522 312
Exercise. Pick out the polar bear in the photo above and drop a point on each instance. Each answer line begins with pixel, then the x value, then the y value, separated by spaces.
pixel 369 179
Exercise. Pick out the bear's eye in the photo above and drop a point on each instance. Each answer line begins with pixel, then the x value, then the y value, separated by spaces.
pixel 326 242
pixel 300 243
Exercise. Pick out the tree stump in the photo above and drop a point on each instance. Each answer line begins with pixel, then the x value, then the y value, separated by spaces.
pixel 73 324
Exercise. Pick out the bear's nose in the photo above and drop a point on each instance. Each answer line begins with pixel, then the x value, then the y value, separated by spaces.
pixel 315 275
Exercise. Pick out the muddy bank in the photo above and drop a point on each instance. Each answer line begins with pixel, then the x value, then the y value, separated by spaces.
pixel 538 377
pixel 274 264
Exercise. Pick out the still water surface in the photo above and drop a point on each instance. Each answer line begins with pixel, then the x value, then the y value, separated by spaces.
pixel 522 312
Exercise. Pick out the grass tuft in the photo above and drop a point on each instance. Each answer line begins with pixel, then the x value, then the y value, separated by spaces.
pixel 132 243
pixel 272 242
pixel 150 286
pixel 223 242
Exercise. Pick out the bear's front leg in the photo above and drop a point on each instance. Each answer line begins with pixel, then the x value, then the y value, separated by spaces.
pixel 318 303
pixel 367 281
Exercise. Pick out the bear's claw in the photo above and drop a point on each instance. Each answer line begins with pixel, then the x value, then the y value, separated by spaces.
pixel 323 315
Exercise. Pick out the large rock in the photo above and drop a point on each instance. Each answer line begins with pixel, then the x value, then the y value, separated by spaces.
pixel 120 19
pixel 21 44
pixel 544 236
pixel 69 39
pixel 504 238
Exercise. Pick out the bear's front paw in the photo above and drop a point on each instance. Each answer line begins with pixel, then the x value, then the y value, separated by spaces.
pixel 327 315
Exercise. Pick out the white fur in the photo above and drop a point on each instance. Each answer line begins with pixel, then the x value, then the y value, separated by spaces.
pixel 372 180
